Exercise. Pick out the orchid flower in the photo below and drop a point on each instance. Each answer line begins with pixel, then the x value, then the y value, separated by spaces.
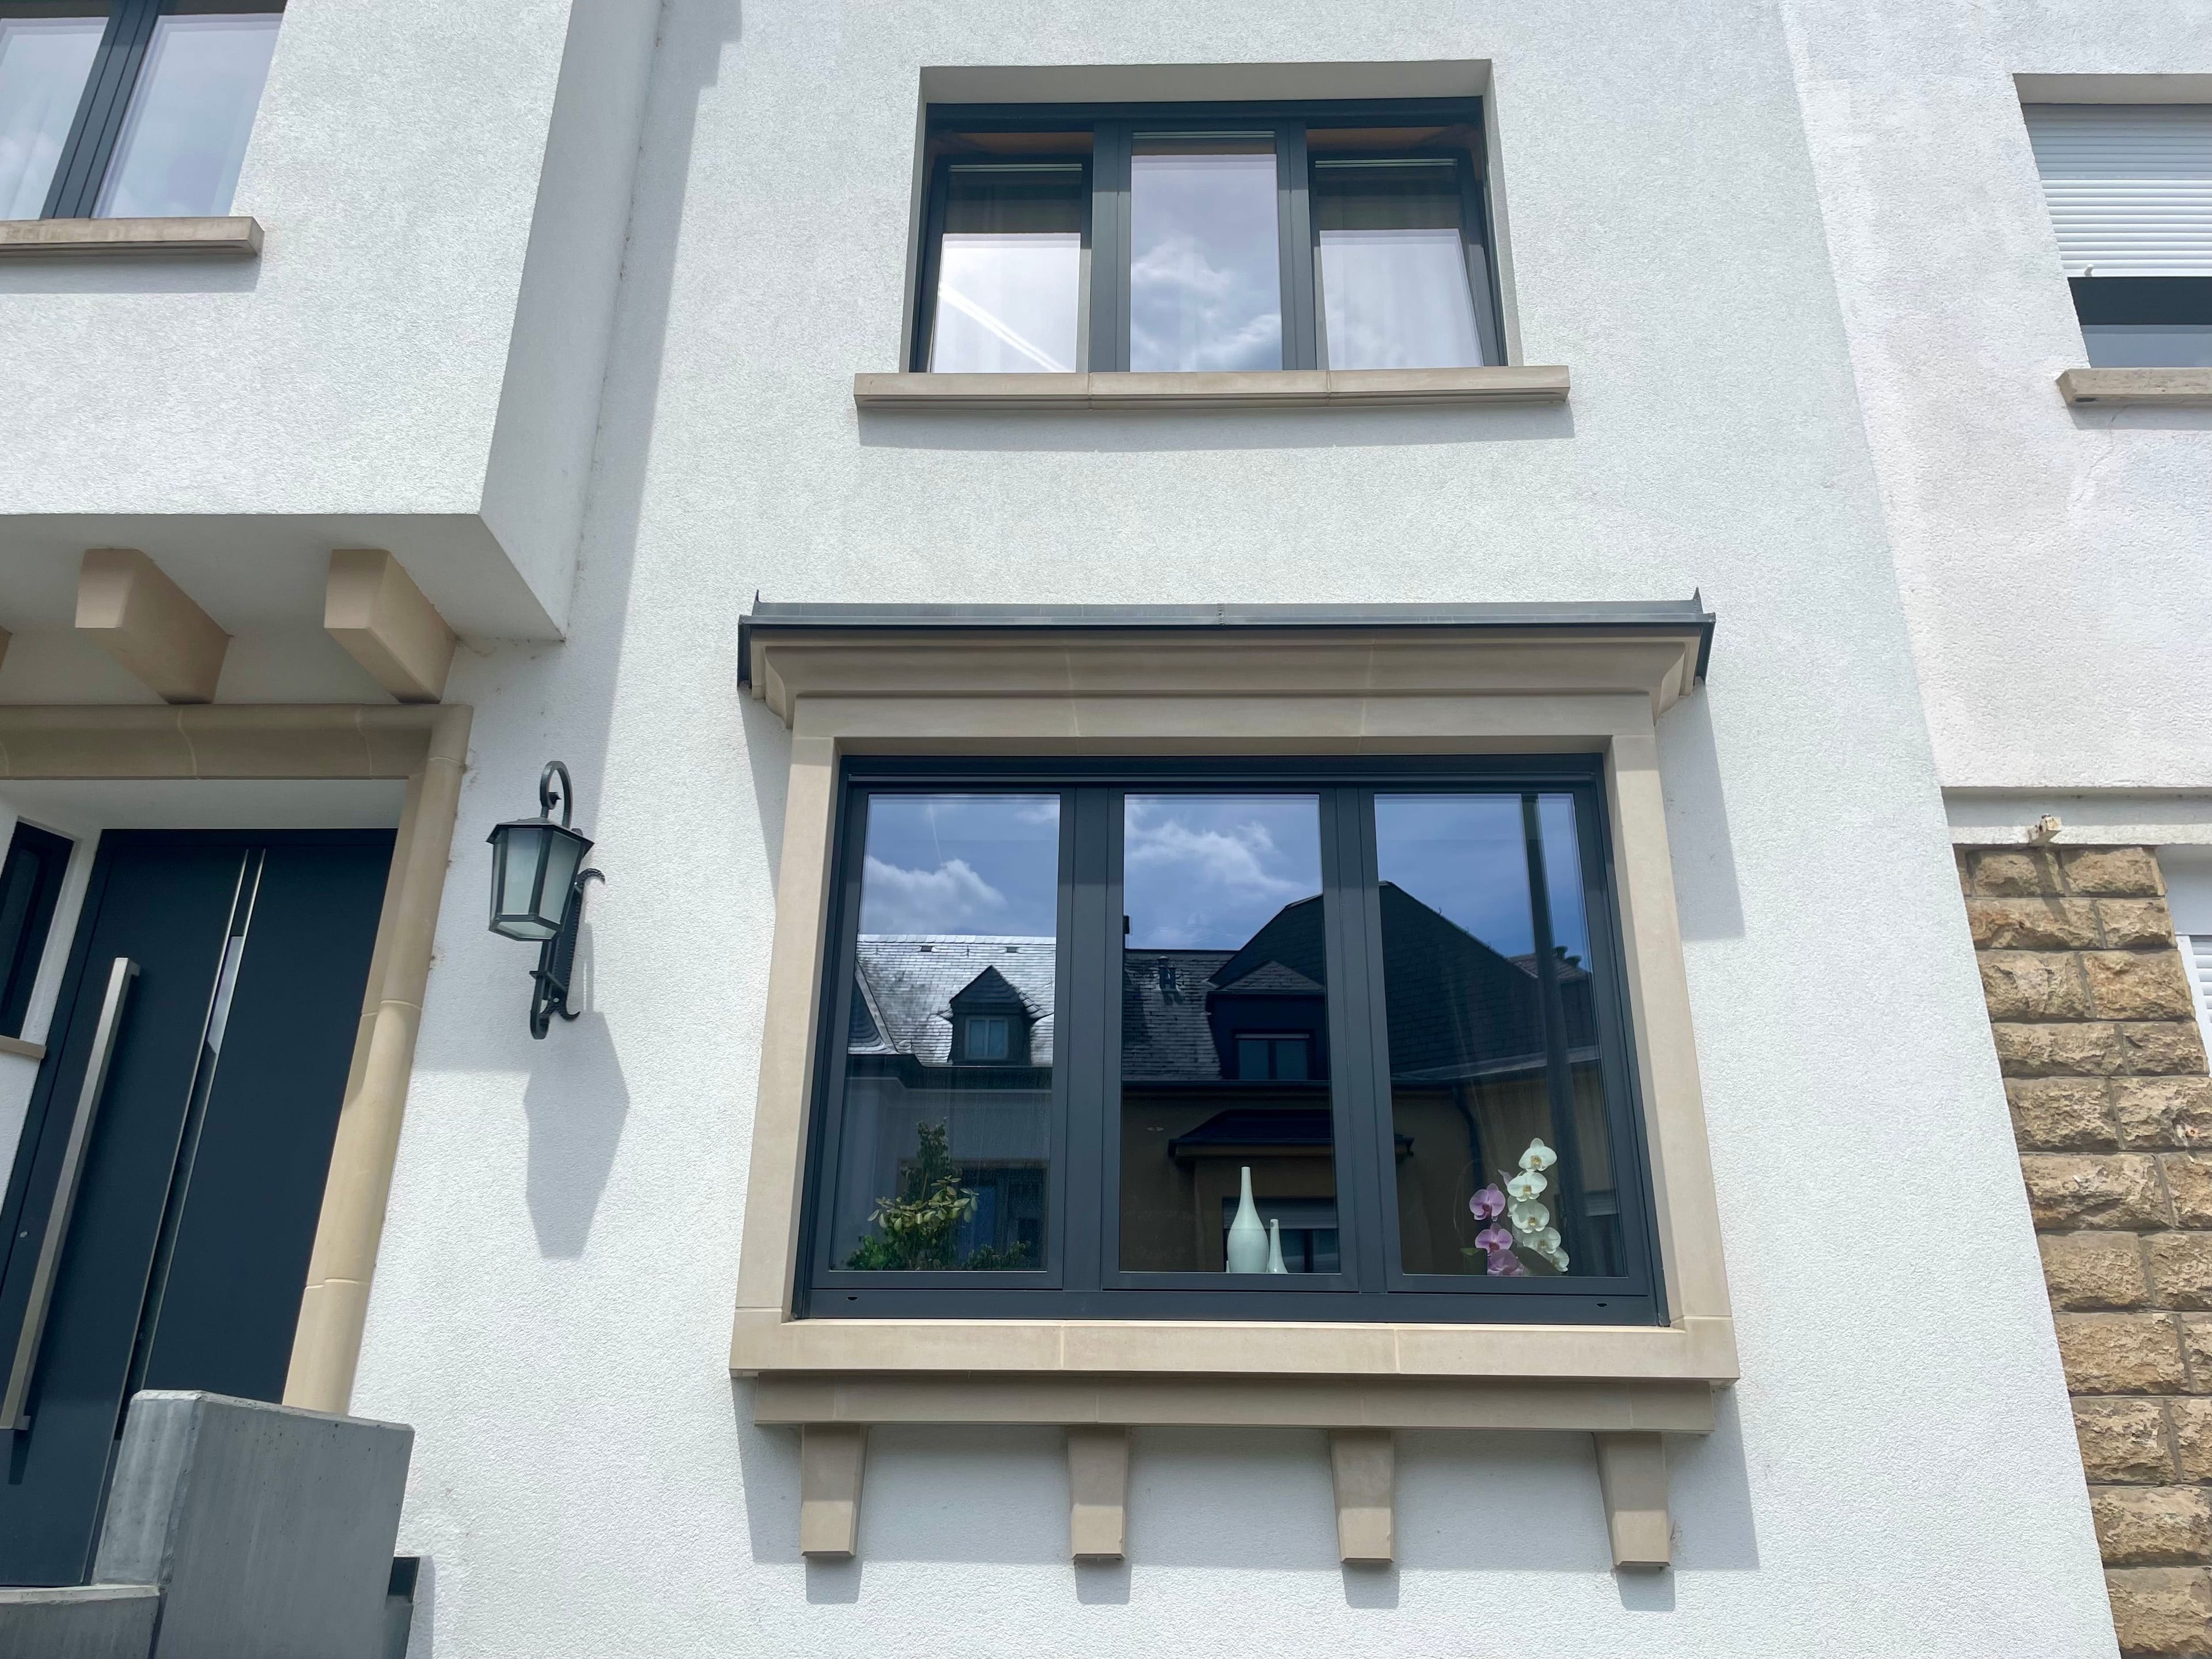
pixel 1538 1157
pixel 1529 1217
pixel 1487 1203
pixel 1544 1241
pixel 1494 1239
pixel 1527 1184
pixel 1503 1264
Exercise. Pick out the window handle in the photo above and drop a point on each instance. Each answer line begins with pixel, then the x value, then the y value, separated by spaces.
pixel 12 1414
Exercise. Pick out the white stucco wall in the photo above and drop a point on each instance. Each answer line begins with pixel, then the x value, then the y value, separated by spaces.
pixel 2052 561
pixel 1897 1472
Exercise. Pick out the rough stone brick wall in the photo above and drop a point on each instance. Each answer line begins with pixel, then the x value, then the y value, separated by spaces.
pixel 2112 1110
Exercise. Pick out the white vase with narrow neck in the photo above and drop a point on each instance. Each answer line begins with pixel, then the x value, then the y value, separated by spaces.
pixel 1247 1239
pixel 1275 1247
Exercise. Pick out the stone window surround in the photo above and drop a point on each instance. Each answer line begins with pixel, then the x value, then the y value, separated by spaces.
pixel 425 745
pixel 1588 683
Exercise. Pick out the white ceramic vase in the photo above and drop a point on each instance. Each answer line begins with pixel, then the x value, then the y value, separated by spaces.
pixel 1247 1239
pixel 1275 1247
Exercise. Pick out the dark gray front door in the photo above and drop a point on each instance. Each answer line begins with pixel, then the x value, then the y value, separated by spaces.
pixel 199 1162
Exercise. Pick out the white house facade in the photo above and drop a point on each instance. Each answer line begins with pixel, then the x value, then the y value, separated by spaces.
pixel 1391 828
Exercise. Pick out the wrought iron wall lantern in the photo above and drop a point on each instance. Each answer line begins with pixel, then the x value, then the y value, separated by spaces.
pixel 538 893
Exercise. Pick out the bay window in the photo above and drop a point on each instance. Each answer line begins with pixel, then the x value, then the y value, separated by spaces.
pixel 1102 1020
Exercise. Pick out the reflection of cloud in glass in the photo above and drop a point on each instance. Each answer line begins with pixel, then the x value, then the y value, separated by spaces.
pixel 1209 871
pixel 962 864
pixel 951 898
pixel 1204 274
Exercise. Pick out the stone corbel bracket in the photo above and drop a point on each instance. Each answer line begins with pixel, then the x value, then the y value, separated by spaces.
pixel 1632 1460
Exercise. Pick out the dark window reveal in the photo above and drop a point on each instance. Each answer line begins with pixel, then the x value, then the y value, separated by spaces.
pixel 30 884
pixel 1344 1041
pixel 1195 239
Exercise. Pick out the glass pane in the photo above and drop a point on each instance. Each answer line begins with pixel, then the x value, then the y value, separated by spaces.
pixel 1497 1175
pixel 1206 287
pixel 43 62
pixel 1009 268
pixel 2147 345
pixel 185 135
pixel 947 1127
pixel 1393 277
pixel 1228 1149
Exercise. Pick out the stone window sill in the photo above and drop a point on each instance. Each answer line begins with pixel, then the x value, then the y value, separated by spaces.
pixel 2172 388
pixel 21 1049
pixel 1278 389
pixel 1627 1386
pixel 238 236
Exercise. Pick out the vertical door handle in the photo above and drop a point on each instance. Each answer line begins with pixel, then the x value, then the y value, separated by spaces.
pixel 120 976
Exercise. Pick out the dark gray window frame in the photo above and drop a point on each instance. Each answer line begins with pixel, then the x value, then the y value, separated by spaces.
pixel 89 148
pixel 31 877
pixel 1103 339
pixel 1076 1280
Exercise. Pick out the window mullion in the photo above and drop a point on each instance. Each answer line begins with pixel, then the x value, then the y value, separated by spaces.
pixel 1109 248
pixel 1294 233
pixel 91 143
pixel 1354 1001
pixel 1089 963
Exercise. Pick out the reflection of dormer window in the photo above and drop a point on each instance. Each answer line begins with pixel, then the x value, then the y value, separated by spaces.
pixel 984 1037
pixel 990 1022
pixel 1273 1057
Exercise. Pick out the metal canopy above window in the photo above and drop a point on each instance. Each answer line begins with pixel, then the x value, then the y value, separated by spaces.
pixel 1621 620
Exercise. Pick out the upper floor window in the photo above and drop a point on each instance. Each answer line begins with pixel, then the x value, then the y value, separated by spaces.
pixel 119 109
pixel 1193 239
pixel 1312 1040
pixel 2130 189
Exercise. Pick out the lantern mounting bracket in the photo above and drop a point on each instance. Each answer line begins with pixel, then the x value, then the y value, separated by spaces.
pixel 556 960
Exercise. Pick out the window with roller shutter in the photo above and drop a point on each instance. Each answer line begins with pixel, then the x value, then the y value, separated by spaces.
pixel 2129 191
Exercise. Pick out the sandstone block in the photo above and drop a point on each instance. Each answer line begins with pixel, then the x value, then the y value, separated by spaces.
pixel 2012 872
pixel 2140 924
pixel 2196 1351
pixel 2120 1353
pixel 2081 1050
pixel 2125 1439
pixel 2030 985
pixel 2133 984
pixel 2152 1525
pixel 2059 1114
pixel 2096 1270
pixel 2192 1438
pixel 2158 1111
pixel 2120 1193
pixel 2172 1047
pixel 2161 1609
pixel 2189 1180
pixel 2127 872
pixel 2036 924
pixel 2180 1272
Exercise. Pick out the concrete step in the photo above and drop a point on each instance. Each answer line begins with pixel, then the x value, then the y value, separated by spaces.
pixel 79 1621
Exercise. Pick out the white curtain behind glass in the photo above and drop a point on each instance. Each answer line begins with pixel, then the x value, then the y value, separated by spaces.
pixel 42 64
pixel 185 135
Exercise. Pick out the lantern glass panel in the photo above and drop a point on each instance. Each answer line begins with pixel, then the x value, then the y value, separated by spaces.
pixel 564 852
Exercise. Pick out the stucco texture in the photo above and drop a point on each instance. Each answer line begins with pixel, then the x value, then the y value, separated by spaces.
pixel 1897 1472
